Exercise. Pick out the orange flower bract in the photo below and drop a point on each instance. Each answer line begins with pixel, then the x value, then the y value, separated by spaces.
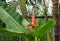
pixel 33 21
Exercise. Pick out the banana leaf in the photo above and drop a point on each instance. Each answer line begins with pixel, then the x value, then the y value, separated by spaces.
pixel 7 19
pixel 44 28
pixel 14 26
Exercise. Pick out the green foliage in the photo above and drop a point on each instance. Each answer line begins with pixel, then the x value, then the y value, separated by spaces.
pixel 17 18
pixel 13 26
pixel 10 22
pixel 17 26
pixel 44 28
pixel 23 5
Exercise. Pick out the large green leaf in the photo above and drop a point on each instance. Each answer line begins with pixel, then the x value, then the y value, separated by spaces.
pixel 4 30
pixel 44 28
pixel 23 22
pixel 16 16
pixel 14 27
pixel 11 22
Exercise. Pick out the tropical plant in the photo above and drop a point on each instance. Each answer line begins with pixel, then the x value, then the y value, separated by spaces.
pixel 16 25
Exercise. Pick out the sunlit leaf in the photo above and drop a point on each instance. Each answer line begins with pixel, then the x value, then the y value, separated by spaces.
pixel 13 26
pixel 44 28
pixel 10 21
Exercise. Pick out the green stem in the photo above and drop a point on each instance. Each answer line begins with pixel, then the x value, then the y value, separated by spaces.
pixel 39 39
pixel 48 36
pixel 36 39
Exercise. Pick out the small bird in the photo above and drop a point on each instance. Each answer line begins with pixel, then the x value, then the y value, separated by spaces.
pixel 33 21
